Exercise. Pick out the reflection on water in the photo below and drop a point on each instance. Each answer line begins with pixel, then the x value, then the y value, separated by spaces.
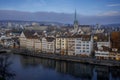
pixel 76 70
pixel 83 71
pixel 102 72
pixel 5 72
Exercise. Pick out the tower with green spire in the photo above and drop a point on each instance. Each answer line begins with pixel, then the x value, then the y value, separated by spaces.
pixel 75 23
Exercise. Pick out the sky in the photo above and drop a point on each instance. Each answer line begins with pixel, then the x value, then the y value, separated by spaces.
pixel 84 7
pixel 88 11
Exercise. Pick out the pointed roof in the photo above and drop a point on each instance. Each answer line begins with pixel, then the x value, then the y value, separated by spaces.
pixel 75 17
pixel 30 35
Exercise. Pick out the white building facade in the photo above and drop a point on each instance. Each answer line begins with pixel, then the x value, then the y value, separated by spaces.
pixel 44 44
pixel 83 45
pixel 101 52
pixel 50 44
pixel 103 47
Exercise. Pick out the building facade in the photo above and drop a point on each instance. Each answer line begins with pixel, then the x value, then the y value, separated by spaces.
pixel 103 46
pixel 22 40
pixel 83 45
pixel 50 45
pixel 58 45
pixel 71 46
pixel 30 41
pixel 44 44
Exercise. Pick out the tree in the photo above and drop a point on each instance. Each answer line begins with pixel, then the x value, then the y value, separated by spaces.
pixel 5 73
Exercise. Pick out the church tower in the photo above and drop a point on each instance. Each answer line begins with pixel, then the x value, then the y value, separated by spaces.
pixel 75 23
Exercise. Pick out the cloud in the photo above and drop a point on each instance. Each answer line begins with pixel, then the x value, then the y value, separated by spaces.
pixel 26 5
pixel 32 5
pixel 113 5
pixel 109 13
pixel 36 2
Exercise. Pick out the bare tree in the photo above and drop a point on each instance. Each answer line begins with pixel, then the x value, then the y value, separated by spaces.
pixel 5 73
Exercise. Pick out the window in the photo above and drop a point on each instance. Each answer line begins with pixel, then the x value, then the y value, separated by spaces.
pixel 87 42
pixel 87 47
pixel 78 44
pixel 83 44
pixel 78 38
pixel 78 48
pixel 83 47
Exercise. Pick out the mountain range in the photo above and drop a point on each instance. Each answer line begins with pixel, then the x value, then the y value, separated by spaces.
pixel 57 17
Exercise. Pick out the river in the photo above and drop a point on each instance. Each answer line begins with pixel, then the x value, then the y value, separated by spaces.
pixel 31 68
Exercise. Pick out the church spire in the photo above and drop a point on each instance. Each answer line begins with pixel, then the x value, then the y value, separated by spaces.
pixel 75 16
pixel 75 22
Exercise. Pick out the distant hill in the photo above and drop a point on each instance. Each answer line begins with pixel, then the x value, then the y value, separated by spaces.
pixel 36 16
pixel 56 17
pixel 40 22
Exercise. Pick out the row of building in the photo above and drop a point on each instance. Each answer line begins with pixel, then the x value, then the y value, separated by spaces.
pixel 66 45
pixel 99 45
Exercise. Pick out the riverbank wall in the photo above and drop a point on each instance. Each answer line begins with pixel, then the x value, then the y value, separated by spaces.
pixel 87 60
